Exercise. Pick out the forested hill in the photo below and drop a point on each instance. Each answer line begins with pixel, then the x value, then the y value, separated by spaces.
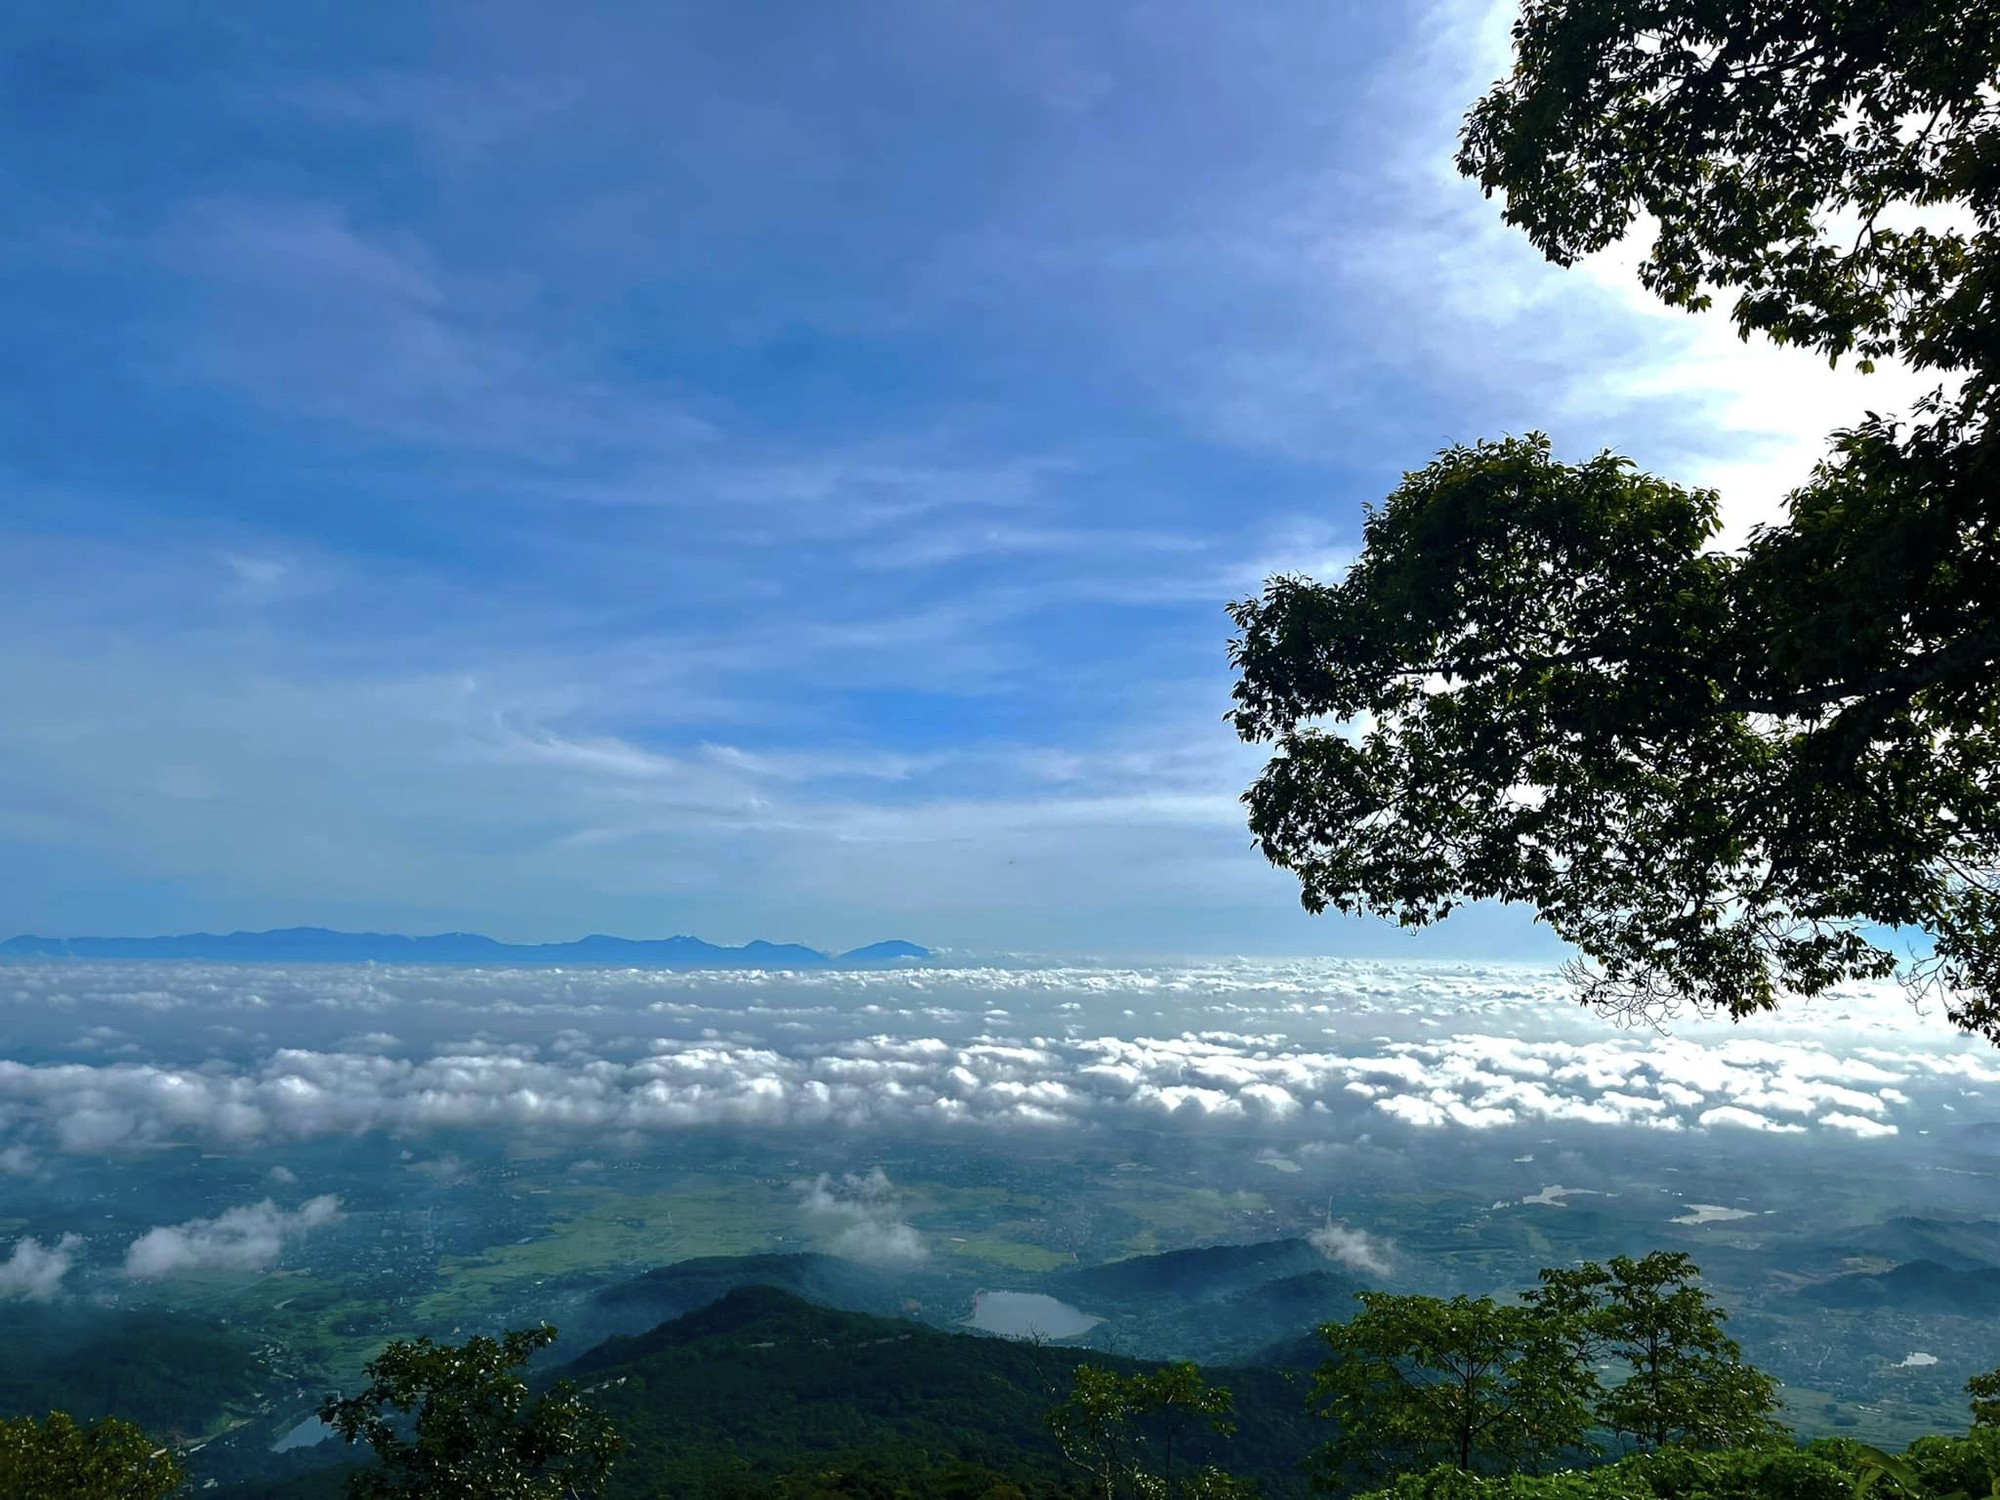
pixel 764 1382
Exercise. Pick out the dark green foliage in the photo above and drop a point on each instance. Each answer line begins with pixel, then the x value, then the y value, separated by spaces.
pixel 1741 128
pixel 1717 774
pixel 1418 1383
pixel 1677 1474
pixel 1126 1430
pixel 55 1459
pixel 1449 1483
pixel 868 1481
pixel 1415 1382
pixel 1985 1393
pixel 1685 1382
pixel 1953 1466
pixel 458 1421
pixel 1748 1473
pixel 763 1384
pixel 170 1373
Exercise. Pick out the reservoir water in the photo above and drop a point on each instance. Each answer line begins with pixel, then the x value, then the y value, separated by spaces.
pixel 1022 1315
pixel 309 1432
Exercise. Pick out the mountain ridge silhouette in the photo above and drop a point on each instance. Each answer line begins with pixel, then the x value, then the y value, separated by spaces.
pixel 326 945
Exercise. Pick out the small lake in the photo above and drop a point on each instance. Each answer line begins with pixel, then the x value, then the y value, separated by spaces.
pixel 1023 1315
pixel 1711 1213
pixel 309 1432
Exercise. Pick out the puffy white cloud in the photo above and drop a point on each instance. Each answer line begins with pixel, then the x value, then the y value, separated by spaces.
pixel 35 1271
pixel 1295 1049
pixel 1747 1119
pixel 250 1238
pixel 865 1211
pixel 877 1243
pixel 1859 1125
pixel 1354 1248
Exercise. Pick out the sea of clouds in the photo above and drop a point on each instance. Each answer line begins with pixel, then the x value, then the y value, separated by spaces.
pixel 109 1058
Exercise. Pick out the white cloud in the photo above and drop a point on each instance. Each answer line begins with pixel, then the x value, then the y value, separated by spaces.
pixel 1283 1051
pixel 875 1243
pixel 1354 1248
pixel 1746 1119
pixel 867 1210
pixel 35 1271
pixel 250 1238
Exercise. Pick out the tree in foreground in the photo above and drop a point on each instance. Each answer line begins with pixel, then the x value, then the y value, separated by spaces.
pixel 1721 775
pixel 458 1422
pixel 1685 1382
pixel 1822 1472
pixel 1478 1386
pixel 1129 1432
pixel 56 1459
pixel 1634 1348
pixel 1985 1393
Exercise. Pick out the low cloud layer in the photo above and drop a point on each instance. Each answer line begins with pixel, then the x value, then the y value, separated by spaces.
pixel 1298 1051
pixel 251 1238
pixel 35 1271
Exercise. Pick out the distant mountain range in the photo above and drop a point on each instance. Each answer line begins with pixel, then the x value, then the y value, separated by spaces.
pixel 320 945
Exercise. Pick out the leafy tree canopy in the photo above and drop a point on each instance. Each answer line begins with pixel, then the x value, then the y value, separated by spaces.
pixel 458 1421
pixel 1685 1383
pixel 1733 1474
pixel 1721 775
pixel 1123 1430
pixel 56 1459
pixel 1472 1384
pixel 1985 1393
pixel 1634 1348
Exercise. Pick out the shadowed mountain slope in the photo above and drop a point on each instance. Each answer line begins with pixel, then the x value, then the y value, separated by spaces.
pixel 763 1382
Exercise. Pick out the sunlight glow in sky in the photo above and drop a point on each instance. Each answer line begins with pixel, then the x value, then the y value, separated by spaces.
pixel 762 472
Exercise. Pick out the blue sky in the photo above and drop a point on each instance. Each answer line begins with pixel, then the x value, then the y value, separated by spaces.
pixel 758 471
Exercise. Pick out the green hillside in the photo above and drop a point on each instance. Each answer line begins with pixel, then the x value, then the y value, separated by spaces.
pixel 763 1383
pixel 1916 1286
pixel 675 1290
pixel 174 1374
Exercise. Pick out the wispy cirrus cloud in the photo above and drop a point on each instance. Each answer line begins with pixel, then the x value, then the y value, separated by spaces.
pixel 685 467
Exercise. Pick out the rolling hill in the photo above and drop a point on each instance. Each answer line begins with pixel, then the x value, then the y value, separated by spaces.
pixel 1924 1286
pixel 763 1382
